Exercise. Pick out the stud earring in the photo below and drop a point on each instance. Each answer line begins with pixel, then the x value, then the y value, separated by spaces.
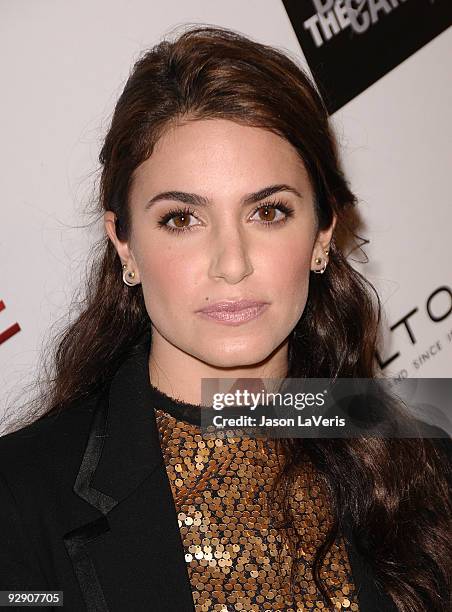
pixel 130 275
pixel 318 261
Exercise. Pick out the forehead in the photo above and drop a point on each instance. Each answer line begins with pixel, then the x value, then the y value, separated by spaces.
pixel 214 154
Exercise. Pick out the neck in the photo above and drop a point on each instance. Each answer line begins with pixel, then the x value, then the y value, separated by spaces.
pixel 179 374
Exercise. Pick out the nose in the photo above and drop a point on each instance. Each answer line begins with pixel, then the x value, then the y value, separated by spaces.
pixel 230 259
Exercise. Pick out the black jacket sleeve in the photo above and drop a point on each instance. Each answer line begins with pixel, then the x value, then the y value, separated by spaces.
pixel 18 567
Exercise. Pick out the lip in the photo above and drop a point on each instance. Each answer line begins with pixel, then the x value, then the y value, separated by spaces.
pixel 234 312
pixel 231 306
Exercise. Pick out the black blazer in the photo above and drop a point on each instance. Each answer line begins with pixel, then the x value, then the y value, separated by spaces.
pixel 86 508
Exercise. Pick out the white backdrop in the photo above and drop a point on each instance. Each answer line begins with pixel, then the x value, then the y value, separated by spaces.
pixel 63 65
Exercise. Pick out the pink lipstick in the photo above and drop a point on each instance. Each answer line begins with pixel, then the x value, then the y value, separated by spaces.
pixel 233 312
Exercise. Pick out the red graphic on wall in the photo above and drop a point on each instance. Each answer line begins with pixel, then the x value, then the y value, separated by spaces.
pixel 10 331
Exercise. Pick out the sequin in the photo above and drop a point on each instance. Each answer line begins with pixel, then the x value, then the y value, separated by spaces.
pixel 236 559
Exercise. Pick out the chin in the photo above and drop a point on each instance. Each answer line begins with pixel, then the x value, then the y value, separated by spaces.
pixel 235 357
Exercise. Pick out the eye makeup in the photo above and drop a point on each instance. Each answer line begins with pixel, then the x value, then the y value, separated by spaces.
pixel 186 211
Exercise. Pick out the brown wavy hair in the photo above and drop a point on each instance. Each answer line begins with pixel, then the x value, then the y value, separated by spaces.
pixel 394 491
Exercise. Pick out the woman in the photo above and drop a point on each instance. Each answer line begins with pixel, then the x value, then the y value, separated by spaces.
pixel 220 183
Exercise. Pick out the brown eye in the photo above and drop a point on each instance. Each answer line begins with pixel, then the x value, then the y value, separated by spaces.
pixel 273 213
pixel 182 217
pixel 178 220
pixel 267 213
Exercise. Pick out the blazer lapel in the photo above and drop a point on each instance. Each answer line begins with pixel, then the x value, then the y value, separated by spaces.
pixel 131 555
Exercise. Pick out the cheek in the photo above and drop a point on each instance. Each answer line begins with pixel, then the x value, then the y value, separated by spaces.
pixel 168 278
pixel 289 269
pixel 295 286
pixel 289 274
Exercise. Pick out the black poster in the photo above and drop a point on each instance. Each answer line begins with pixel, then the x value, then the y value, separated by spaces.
pixel 350 44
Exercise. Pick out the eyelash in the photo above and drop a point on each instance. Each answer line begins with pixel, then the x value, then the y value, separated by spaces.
pixel 176 212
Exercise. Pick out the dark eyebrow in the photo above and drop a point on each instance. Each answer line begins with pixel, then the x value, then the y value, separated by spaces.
pixel 197 200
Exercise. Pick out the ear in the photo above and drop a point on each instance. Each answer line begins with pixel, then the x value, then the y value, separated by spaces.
pixel 123 249
pixel 322 246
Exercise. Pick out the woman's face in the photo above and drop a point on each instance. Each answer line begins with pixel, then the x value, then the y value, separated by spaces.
pixel 226 245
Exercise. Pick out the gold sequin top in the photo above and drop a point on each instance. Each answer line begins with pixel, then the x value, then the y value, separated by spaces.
pixel 236 558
